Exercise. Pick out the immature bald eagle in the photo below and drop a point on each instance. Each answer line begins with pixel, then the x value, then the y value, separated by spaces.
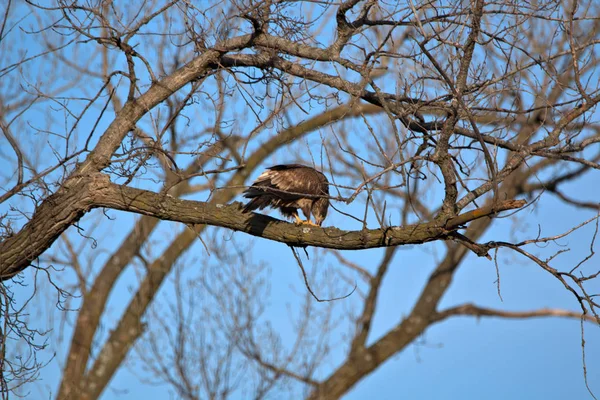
pixel 289 188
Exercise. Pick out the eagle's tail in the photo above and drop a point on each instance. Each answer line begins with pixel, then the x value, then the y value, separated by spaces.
pixel 258 197
pixel 251 205
pixel 259 202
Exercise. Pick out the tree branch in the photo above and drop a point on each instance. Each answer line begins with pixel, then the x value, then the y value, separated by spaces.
pixel 230 216
pixel 476 311
pixel 98 191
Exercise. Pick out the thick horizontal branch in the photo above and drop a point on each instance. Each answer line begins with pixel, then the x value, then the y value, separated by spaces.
pixel 230 216
pixel 96 191
pixel 18 252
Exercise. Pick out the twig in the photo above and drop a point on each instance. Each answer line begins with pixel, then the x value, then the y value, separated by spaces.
pixel 308 285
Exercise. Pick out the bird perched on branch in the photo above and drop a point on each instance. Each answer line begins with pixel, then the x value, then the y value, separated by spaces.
pixel 288 188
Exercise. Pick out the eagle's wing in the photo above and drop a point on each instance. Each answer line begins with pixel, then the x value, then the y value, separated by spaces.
pixel 291 182
pixel 286 182
pixel 284 185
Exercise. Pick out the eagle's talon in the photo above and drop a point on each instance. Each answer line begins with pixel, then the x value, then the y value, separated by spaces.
pixel 298 221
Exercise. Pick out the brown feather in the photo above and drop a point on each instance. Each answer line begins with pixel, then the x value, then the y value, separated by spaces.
pixel 289 188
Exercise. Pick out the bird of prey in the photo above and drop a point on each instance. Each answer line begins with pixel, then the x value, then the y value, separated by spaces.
pixel 288 188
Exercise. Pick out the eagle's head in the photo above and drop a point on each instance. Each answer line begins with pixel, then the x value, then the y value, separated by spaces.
pixel 319 210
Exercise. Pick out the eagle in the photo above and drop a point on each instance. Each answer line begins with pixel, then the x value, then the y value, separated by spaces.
pixel 288 188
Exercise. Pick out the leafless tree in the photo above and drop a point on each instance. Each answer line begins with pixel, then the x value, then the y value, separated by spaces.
pixel 128 130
